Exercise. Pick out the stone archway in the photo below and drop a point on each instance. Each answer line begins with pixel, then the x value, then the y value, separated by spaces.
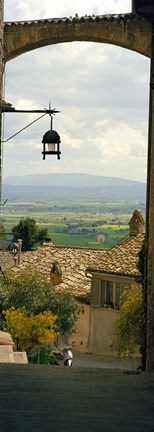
pixel 128 31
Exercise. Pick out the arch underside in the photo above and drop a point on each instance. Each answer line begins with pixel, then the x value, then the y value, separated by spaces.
pixel 128 31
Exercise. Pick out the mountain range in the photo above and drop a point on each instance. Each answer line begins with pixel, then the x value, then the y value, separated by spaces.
pixel 69 180
pixel 49 186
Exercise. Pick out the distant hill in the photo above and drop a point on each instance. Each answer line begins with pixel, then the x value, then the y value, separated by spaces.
pixel 69 180
pixel 51 186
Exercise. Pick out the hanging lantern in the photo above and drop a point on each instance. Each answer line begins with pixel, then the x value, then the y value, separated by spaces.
pixel 51 144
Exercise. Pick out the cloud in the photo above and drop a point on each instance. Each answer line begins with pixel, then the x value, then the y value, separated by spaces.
pixel 101 90
pixel 26 10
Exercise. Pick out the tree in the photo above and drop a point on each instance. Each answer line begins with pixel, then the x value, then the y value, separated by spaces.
pixel 28 231
pixel 131 320
pixel 33 291
pixel 131 323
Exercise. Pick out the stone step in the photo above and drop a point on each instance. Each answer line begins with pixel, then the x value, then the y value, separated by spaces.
pixel 7 355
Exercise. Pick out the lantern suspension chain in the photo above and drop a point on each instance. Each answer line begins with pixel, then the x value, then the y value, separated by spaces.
pixel 51 120
pixel 51 116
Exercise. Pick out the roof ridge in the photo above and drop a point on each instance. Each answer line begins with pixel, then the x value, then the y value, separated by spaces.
pixel 75 18
pixel 52 246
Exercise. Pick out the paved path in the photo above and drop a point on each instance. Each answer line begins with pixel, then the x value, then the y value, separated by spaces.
pixel 58 399
pixel 100 361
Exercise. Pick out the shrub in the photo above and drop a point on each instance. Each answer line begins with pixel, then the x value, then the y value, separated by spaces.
pixel 28 329
pixel 131 320
pixel 42 355
pixel 32 290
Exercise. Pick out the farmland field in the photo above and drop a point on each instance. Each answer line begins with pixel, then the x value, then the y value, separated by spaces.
pixel 92 225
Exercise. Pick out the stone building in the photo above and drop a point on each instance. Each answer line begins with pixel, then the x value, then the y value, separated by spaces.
pixel 96 279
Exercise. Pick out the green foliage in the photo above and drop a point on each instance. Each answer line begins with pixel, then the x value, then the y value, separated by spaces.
pixel 142 280
pixel 2 231
pixel 131 320
pixel 42 233
pixel 34 292
pixel 66 308
pixel 28 289
pixel 28 231
pixel 131 323
pixel 42 355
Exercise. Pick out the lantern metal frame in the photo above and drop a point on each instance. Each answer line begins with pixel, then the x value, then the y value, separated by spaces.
pixel 51 139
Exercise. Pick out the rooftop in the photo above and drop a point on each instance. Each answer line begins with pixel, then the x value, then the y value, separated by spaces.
pixel 122 259
pixel 72 261
pixel 76 18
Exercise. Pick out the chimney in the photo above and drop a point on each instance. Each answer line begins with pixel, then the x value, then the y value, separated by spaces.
pixel 19 251
pixel 55 274
pixel 136 224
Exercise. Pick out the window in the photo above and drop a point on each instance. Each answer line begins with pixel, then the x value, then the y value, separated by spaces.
pixel 109 293
pixel 106 293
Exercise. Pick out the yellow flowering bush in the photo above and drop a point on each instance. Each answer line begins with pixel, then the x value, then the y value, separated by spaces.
pixel 28 329
pixel 130 323
pixel 33 291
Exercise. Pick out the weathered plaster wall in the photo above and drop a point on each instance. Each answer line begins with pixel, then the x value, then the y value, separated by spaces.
pixel 81 337
pixel 102 338
pixel 96 331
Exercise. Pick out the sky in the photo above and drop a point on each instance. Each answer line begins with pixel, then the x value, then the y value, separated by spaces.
pixel 101 91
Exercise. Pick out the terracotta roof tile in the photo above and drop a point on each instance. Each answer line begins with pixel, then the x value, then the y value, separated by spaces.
pixel 85 18
pixel 73 262
pixel 122 259
pixel 76 262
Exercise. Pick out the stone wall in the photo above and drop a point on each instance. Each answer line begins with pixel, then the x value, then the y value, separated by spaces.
pixel 1 46
pixel 1 82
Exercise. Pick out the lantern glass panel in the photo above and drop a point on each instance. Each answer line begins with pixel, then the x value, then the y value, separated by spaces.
pixel 51 147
